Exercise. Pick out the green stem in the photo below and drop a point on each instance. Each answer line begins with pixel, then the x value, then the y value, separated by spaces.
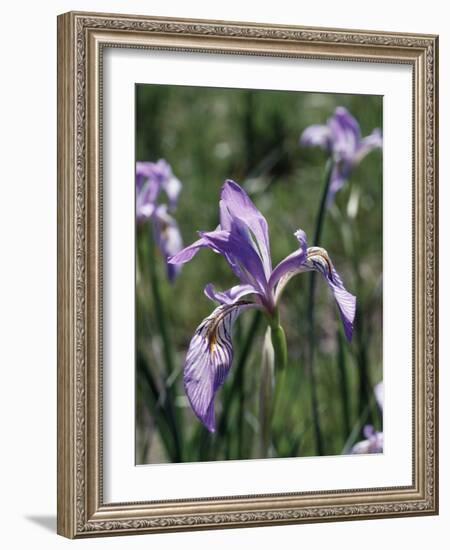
pixel 167 348
pixel 365 385
pixel 311 316
pixel 266 394
pixel 357 430
pixel 278 339
pixel 362 336
pixel 160 310
pixel 152 395
pixel 279 347
pixel 280 377
pixel 343 383
pixel 323 202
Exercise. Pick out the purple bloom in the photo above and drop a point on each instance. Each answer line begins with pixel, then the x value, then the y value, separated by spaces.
pixel 341 138
pixel 242 238
pixel 151 179
pixel 373 442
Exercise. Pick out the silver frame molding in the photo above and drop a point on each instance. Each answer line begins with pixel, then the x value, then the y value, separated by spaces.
pixel 81 39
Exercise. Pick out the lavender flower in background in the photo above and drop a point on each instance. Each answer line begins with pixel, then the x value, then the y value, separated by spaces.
pixel 151 179
pixel 242 238
pixel 371 445
pixel 373 442
pixel 341 138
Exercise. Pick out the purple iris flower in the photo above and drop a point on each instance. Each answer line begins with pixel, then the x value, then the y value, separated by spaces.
pixel 151 179
pixel 242 238
pixel 341 138
pixel 373 442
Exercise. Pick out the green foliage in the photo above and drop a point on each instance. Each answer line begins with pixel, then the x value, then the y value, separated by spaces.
pixel 209 135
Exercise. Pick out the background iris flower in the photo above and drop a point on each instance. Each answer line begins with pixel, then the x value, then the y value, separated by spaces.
pixel 151 179
pixel 373 442
pixel 341 138
pixel 242 238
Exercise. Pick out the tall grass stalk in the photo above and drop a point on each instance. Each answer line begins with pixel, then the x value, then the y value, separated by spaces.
pixel 161 320
pixel 320 217
pixel 343 383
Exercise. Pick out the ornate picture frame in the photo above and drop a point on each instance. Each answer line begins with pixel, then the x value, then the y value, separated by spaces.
pixel 82 38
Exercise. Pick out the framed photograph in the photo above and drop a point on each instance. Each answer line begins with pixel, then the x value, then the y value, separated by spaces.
pixel 247 274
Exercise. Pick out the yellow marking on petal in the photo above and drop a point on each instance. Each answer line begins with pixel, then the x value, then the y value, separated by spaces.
pixel 322 254
pixel 211 331
pixel 212 342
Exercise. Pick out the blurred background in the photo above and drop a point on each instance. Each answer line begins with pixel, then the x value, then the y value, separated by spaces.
pixel 252 136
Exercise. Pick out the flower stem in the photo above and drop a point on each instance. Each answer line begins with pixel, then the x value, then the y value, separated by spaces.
pixel 279 347
pixel 343 383
pixel 323 202
pixel 156 407
pixel 266 396
pixel 278 339
pixel 311 315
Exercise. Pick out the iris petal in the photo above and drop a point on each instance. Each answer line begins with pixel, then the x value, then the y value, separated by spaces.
pixel 316 135
pixel 241 256
pixel 315 259
pixel 238 213
pixel 318 260
pixel 168 238
pixel 229 296
pixel 345 132
pixel 341 138
pixel 367 144
pixel 209 360
pixel 290 265
pixel 185 255
pixel 371 445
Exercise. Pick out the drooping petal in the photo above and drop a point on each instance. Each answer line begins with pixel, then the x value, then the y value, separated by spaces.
pixel 316 135
pixel 186 255
pixel 289 267
pixel 345 134
pixel 368 144
pixel 144 207
pixel 229 296
pixel 146 191
pixel 239 214
pixel 317 259
pixel 168 238
pixel 209 360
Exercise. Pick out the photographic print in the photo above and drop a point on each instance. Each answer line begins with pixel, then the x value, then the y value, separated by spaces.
pixel 247 274
pixel 259 274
